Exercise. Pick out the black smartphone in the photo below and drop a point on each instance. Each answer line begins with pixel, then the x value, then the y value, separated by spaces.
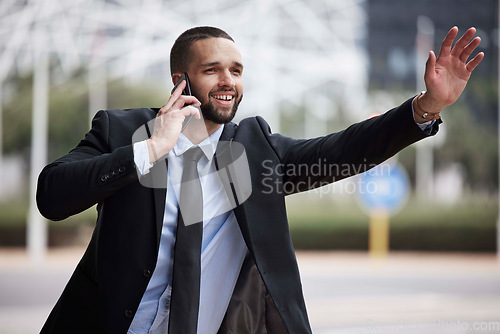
pixel 185 91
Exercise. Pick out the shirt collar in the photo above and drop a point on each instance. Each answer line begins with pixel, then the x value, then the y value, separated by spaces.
pixel 208 146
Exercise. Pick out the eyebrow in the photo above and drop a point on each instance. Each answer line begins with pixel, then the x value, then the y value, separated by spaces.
pixel 214 63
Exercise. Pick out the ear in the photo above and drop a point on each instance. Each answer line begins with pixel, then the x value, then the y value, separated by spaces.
pixel 176 77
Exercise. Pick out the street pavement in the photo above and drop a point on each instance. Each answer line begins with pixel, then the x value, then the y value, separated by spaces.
pixel 345 292
pixel 405 293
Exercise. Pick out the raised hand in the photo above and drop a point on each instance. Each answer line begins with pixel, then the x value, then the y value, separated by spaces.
pixel 168 122
pixel 446 77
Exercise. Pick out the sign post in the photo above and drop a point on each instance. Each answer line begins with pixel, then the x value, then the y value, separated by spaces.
pixel 382 191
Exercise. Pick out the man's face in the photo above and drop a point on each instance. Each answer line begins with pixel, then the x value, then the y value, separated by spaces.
pixel 215 73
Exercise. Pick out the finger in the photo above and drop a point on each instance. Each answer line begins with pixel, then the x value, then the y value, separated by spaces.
pixel 475 61
pixel 174 97
pixel 448 42
pixel 430 65
pixel 190 110
pixel 462 42
pixel 469 49
pixel 192 100
pixel 176 102
pixel 183 100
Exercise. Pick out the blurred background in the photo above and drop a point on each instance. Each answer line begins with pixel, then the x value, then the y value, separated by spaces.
pixel 311 68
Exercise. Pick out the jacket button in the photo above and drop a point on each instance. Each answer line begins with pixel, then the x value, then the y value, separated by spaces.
pixel 103 178
pixel 129 314
pixel 121 169
pixel 115 173
pixel 147 273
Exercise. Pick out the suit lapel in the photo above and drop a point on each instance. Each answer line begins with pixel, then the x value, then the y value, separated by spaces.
pixel 228 132
pixel 239 210
pixel 250 293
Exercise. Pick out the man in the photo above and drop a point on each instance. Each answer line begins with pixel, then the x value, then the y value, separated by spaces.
pixel 248 280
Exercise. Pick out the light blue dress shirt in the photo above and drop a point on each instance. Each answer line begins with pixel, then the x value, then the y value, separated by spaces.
pixel 223 248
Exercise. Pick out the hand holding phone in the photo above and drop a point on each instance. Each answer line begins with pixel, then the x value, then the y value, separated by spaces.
pixel 185 91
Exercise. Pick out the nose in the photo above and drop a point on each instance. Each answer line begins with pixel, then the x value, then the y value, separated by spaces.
pixel 226 79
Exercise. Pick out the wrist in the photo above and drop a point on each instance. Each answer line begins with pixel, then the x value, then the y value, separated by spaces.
pixel 428 103
pixel 425 109
pixel 155 150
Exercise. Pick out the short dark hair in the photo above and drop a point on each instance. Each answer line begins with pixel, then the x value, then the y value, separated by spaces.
pixel 180 54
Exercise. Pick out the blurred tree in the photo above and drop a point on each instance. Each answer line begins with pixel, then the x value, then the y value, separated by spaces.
pixel 472 137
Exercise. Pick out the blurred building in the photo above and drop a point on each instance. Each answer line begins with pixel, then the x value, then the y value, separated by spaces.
pixel 392 27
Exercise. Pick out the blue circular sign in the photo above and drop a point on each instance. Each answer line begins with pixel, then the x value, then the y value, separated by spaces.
pixel 384 187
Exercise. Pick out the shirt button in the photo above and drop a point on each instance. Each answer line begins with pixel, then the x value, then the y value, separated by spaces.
pixel 129 314
pixel 147 273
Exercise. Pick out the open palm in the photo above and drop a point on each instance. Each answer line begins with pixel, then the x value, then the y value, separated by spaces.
pixel 447 76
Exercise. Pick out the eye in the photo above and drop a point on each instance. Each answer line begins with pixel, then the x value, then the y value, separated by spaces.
pixel 237 71
pixel 209 70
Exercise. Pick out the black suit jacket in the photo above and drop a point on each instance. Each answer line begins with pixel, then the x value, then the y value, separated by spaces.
pixel 108 283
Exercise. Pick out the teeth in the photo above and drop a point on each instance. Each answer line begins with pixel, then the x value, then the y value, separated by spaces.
pixel 223 97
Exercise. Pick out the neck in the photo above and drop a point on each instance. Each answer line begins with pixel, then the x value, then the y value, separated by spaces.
pixel 198 131
pixel 211 127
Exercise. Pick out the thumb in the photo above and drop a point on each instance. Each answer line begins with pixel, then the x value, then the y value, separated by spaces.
pixel 430 65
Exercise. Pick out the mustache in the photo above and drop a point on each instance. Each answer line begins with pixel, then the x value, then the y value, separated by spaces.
pixel 223 90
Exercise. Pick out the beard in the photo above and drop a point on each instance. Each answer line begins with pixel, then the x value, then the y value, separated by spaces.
pixel 211 113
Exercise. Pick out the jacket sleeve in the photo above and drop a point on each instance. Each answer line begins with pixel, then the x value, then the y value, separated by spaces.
pixel 311 163
pixel 86 175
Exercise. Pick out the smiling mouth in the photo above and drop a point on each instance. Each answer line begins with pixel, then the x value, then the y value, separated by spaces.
pixel 223 97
